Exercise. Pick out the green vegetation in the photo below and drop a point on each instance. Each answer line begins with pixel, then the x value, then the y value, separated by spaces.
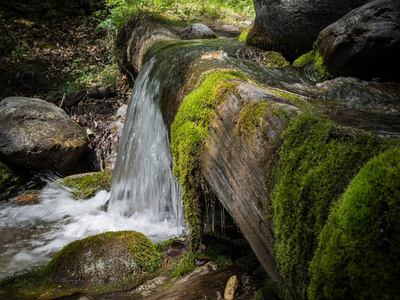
pixel 275 59
pixel 250 119
pixel 188 132
pixel 86 186
pixel 359 250
pixel 222 251
pixel 313 65
pixel 317 161
pixel 180 12
pixel 295 100
pixel 5 174
pixel 29 285
pixel 243 36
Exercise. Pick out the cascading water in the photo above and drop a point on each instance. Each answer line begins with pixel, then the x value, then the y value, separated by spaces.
pixel 145 195
pixel 143 179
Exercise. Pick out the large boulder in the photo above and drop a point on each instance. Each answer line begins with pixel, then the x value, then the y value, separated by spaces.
pixel 365 43
pixel 37 134
pixel 291 27
pixel 104 258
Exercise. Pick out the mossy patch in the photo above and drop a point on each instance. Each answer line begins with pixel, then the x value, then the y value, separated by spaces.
pixel 250 120
pixel 86 186
pixel 5 174
pixel 359 250
pixel 188 133
pixel 275 59
pixel 313 65
pixel 243 35
pixel 317 161
pixel 295 100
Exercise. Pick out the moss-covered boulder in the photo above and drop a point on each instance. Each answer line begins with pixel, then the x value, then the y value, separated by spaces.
pixel 86 185
pixel 104 258
pixel 359 251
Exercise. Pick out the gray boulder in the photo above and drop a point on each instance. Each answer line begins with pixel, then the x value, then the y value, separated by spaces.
pixel 197 31
pixel 365 43
pixel 291 27
pixel 38 134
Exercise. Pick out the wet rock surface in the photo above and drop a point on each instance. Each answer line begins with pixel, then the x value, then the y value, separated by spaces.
pixel 365 43
pixel 232 168
pixel 197 31
pixel 37 134
pixel 272 29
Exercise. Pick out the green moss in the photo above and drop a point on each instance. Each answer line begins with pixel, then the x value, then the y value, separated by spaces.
pixel 304 59
pixel 313 65
pixel 317 161
pixel 86 186
pixel 276 60
pixel 29 284
pixel 295 100
pixel 139 246
pixel 269 291
pixel 5 174
pixel 243 35
pixel 188 133
pixel 359 250
pixel 39 283
pixel 250 119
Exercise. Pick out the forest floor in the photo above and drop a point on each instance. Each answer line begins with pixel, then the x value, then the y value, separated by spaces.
pixel 56 51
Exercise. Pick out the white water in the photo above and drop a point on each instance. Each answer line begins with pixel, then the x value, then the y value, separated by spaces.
pixel 143 179
pixel 145 195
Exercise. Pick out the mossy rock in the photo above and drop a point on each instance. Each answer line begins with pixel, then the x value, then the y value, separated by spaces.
pixel 104 258
pixel 317 162
pixel 188 133
pixel 269 59
pixel 313 65
pixel 87 185
pixel 5 175
pixel 359 250
pixel 243 35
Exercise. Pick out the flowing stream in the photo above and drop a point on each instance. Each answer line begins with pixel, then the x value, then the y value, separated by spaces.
pixel 145 195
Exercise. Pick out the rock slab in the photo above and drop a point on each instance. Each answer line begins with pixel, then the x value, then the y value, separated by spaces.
pixel 365 43
pixel 37 134
pixel 291 27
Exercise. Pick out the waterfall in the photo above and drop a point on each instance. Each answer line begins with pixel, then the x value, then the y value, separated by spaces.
pixel 142 181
